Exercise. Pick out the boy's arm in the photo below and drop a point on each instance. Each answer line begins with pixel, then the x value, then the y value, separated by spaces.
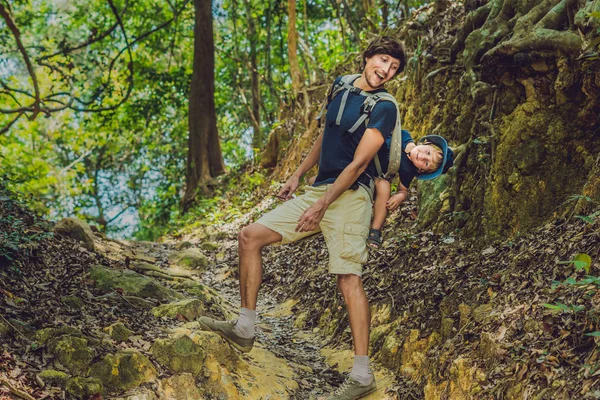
pixel 367 148
pixel 310 161
pixel 397 198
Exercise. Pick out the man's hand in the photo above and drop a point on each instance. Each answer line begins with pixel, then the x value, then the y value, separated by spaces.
pixel 289 188
pixel 395 201
pixel 312 216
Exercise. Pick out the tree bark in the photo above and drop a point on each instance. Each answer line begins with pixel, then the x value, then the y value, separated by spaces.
pixel 292 41
pixel 204 150
pixel 257 139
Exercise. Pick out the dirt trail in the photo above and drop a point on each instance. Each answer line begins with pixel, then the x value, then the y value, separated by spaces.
pixel 304 351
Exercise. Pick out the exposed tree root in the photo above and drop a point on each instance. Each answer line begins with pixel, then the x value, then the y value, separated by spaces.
pixel 19 393
pixel 540 39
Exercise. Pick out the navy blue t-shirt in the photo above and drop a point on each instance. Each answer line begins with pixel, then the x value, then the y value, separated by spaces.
pixel 338 147
pixel 407 169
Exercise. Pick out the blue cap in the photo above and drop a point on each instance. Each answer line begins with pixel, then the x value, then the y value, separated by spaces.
pixel 447 153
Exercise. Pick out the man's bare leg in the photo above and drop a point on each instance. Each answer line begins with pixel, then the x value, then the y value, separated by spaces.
pixel 360 321
pixel 358 311
pixel 251 240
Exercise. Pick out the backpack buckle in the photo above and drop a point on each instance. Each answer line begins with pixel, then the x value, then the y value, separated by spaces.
pixel 370 103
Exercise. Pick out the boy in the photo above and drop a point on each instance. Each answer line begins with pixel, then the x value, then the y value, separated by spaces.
pixel 426 160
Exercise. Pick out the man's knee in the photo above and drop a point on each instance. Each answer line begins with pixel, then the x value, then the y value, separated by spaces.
pixel 349 284
pixel 256 236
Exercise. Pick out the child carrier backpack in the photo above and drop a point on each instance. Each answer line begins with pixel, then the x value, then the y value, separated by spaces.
pixel 371 99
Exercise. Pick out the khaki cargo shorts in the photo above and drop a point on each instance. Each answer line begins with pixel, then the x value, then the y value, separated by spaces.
pixel 345 226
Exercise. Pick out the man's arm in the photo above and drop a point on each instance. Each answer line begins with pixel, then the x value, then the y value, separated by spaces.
pixel 367 148
pixel 310 161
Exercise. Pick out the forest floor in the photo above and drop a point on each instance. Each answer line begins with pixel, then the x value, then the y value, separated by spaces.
pixel 48 288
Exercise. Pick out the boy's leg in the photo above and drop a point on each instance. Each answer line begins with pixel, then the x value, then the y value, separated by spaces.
pixel 382 195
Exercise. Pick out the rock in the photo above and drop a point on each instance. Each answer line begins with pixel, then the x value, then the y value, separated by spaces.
pixel 189 259
pixel 209 246
pixel 76 229
pixel 73 353
pixel 118 332
pixel 53 377
pixel 146 394
pixel 191 309
pixel 84 388
pixel 482 313
pixel 124 370
pixel 389 353
pixel 73 302
pixel 214 345
pixel 132 283
pixel 183 245
pixel 180 354
pixel 45 335
pixel 179 387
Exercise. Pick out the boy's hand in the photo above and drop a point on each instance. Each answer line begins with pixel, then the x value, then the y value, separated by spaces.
pixel 395 201
pixel 289 188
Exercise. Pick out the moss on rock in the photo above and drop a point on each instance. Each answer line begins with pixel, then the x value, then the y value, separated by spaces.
pixel 53 377
pixel 189 259
pixel 78 230
pixel 191 309
pixel 83 388
pixel 180 354
pixel 209 246
pixel 73 301
pixel 73 353
pixel 124 370
pixel 131 283
pixel 118 332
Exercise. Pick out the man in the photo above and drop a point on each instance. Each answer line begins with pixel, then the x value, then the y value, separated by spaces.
pixel 336 205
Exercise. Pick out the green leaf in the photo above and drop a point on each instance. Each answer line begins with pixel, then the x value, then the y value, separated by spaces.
pixel 552 307
pixel 584 261
pixel 570 281
pixel 585 218
pixel 577 308
pixel 595 334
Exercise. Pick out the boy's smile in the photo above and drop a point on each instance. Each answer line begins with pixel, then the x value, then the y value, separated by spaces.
pixel 422 157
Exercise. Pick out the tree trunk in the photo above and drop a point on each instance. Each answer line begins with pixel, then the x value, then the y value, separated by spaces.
pixel 204 151
pixel 297 78
pixel 257 139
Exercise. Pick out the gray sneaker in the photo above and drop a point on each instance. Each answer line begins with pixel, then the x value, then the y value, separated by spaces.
pixel 352 389
pixel 225 329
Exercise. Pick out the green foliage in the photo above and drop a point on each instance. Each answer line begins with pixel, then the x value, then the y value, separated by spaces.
pixel 557 306
pixel 122 168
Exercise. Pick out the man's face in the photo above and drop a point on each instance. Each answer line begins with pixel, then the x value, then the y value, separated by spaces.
pixel 380 69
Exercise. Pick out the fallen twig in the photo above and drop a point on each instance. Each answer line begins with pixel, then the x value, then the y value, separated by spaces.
pixel 17 392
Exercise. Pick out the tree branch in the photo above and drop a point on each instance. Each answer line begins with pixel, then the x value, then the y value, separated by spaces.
pixel 17 35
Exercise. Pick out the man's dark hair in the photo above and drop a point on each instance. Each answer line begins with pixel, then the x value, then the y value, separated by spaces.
pixel 386 45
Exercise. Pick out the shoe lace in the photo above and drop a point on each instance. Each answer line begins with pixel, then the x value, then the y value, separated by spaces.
pixel 345 386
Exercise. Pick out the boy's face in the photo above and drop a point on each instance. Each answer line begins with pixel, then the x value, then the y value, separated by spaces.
pixel 380 69
pixel 425 158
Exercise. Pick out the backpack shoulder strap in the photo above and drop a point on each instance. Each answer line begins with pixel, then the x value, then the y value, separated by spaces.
pixel 396 143
pixel 344 84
